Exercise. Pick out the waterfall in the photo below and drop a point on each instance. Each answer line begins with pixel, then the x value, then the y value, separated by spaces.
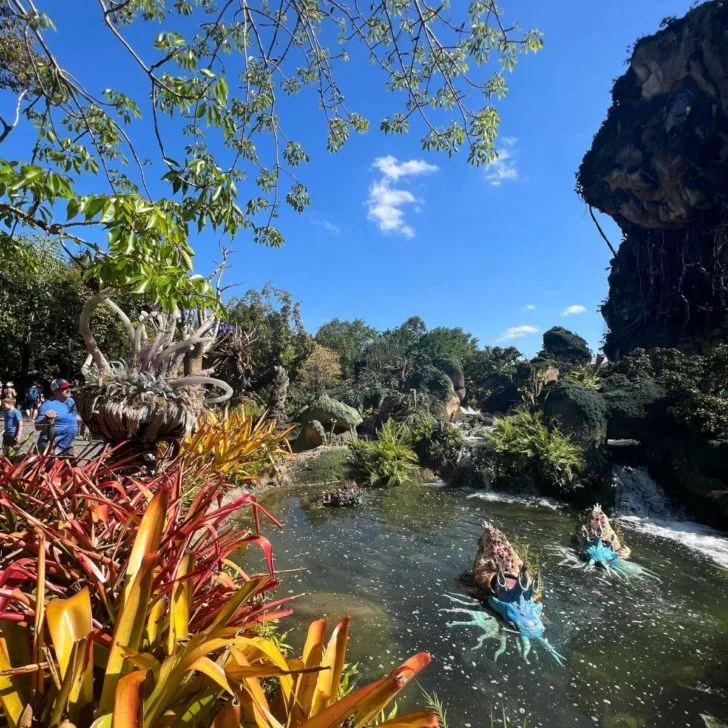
pixel 643 505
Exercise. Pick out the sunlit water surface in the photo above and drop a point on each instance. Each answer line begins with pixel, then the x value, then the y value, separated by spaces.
pixel 652 654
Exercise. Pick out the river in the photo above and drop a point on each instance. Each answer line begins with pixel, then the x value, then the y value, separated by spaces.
pixel 637 654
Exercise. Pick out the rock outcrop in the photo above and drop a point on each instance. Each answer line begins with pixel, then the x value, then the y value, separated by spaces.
pixel 580 412
pixel 325 419
pixel 659 167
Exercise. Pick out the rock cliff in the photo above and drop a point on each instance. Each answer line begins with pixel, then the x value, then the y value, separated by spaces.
pixel 659 167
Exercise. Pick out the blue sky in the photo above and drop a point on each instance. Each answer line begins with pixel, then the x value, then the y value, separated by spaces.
pixel 393 232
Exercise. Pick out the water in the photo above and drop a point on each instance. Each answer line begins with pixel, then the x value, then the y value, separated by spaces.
pixel 642 505
pixel 636 656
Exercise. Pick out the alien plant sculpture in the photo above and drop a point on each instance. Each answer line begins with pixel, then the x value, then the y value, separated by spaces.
pixel 509 591
pixel 598 545
pixel 148 399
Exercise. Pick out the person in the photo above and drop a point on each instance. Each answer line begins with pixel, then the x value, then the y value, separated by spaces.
pixel 32 400
pixel 57 421
pixel 13 426
pixel 8 391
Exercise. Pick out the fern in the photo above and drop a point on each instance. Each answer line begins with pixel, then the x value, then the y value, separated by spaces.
pixel 388 460
pixel 434 704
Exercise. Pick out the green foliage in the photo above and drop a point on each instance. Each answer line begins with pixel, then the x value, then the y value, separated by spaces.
pixel 430 379
pixel 587 376
pixel 41 298
pixel 274 322
pixel 579 411
pixel 565 347
pixel 320 370
pixel 437 444
pixel 705 414
pixel 399 360
pixel 697 386
pixel 388 460
pixel 214 77
pixel 522 444
pixel 449 344
pixel 437 706
pixel 349 339
pixel 490 360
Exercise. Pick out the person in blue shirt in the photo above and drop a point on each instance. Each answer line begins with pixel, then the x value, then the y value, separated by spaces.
pixel 57 421
pixel 13 426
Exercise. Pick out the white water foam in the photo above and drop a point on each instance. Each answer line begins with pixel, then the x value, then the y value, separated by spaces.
pixel 530 501
pixel 641 504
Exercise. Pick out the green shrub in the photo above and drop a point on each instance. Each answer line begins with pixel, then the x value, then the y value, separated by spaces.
pixel 588 376
pixel 522 445
pixel 388 460
pixel 437 444
pixel 705 414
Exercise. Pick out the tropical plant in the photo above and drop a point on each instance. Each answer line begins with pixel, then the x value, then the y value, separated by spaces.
pixel 388 460
pixel 119 607
pixel 149 398
pixel 436 705
pixel 234 445
pixel 436 443
pixel 320 693
pixel 272 319
pixel 85 519
pixel 523 445
pixel 589 375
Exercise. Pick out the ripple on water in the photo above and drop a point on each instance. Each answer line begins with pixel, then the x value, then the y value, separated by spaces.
pixel 642 656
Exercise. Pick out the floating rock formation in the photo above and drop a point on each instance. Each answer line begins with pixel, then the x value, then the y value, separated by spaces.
pixel 659 167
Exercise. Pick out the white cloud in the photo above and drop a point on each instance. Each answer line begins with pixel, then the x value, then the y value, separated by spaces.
pixel 530 307
pixel 518 332
pixel 385 202
pixel 327 225
pixel 393 169
pixel 504 168
pixel 571 310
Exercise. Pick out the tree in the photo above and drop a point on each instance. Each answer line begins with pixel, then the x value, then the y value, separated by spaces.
pixel 448 344
pixel 321 370
pixel 490 360
pixel 349 339
pixel 393 352
pixel 41 300
pixel 272 321
pixel 426 53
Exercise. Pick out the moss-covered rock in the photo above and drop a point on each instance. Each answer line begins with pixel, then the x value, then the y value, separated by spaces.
pixel 564 347
pixel 500 394
pixel 311 435
pixel 433 380
pixel 578 411
pixel 631 405
pixel 330 413
pixel 454 370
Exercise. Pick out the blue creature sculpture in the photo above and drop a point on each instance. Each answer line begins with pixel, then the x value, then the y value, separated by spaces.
pixel 509 592
pixel 598 545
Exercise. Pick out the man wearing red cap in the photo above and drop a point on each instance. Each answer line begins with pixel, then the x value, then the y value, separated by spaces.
pixel 57 416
